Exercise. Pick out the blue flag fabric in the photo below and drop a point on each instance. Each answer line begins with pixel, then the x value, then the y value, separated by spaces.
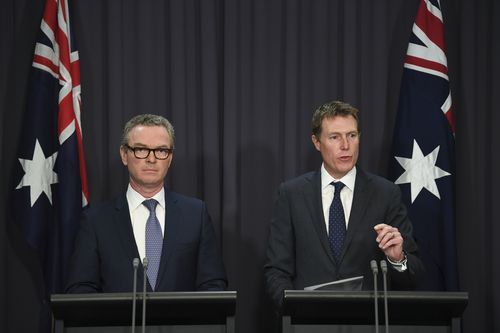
pixel 50 187
pixel 423 148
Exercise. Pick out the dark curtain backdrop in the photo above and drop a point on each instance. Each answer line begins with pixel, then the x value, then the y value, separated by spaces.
pixel 239 80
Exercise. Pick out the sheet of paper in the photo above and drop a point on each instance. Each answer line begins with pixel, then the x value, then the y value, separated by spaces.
pixel 353 283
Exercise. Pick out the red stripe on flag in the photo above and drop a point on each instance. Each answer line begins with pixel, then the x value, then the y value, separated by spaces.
pixel 83 167
pixel 426 64
pixel 64 57
pixel 46 62
pixel 50 14
pixel 431 25
pixel 66 112
pixel 75 72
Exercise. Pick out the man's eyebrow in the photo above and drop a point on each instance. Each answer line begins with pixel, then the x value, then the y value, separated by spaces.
pixel 142 145
pixel 337 132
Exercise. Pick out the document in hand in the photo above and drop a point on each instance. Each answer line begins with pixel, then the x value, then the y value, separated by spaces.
pixel 350 284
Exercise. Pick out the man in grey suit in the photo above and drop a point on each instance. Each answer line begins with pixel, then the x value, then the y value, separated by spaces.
pixel 172 231
pixel 329 224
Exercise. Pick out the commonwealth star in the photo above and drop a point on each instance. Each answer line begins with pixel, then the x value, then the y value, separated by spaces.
pixel 421 171
pixel 39 174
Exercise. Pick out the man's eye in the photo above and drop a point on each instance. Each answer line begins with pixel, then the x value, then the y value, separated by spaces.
pixel 141 150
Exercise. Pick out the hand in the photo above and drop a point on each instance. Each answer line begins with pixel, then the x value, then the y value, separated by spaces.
pixel 390 241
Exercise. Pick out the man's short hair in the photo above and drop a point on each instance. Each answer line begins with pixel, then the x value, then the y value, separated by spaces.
pixel 147 120
pixel 330 110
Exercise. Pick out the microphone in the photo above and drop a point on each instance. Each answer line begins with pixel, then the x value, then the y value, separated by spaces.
pixel 383 266
pixel 145 265
pixel 135 264
pixel 374 267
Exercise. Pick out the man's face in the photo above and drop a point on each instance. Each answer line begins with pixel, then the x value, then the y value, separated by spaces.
pixel 147 175
pixel 338 144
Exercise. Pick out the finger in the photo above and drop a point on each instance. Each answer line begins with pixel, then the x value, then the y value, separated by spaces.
pixel 391 239
pixel 388 229
pixel 380 226
pixel 383 231
pixel 384 238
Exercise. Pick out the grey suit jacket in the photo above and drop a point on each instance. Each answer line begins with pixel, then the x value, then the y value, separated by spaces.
pixel 105 248
pixel 298 253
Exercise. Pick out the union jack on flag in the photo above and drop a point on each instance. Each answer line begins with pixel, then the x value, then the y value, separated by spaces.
pixel 50 178
pixel 423 161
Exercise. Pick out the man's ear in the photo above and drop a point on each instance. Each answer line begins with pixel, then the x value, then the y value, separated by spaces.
pixel 316 142
pixel 123 155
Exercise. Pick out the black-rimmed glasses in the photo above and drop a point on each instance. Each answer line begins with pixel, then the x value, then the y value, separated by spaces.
pixel 143 152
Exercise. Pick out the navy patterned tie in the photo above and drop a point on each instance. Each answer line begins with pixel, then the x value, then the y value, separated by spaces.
pixel 336 223
pixel 154 242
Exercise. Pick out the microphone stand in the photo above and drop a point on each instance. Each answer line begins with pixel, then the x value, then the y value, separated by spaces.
pixel 374 267
pixel 145 265
pixel 383 266
pixel 135 264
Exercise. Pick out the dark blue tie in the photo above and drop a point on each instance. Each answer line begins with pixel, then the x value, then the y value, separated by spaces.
pixel 154 242
pixel 336 223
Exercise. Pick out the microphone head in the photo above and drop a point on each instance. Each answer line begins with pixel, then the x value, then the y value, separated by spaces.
pixel 135 263
pixel 374 266
pixel 145 262
pixel 383 266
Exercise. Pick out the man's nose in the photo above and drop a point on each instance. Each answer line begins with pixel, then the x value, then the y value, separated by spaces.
pixel 344 143
pixel 151 157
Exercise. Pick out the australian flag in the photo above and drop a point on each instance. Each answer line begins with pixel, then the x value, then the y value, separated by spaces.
pixel 50 181
pixel 423 162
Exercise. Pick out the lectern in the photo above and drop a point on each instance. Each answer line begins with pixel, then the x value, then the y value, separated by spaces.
pixel 165 312
pixel 353 311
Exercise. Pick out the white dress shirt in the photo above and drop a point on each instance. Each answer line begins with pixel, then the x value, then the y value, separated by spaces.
pixel 139 216
pixel 346 194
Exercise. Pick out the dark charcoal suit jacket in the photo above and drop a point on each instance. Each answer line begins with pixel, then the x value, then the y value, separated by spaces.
pixel 299 254
pixel 105 248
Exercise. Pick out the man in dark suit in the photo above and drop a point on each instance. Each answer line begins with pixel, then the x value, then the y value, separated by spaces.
pixel 329 224
pixel 172 231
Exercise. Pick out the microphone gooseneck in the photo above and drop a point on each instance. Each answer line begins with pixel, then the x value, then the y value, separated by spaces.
pixel 374 267
pixel 383 267
pixel 135 264
pixel 145 265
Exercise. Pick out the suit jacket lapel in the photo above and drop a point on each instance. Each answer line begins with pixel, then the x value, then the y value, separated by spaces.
pixel 125 233
pixel 123 226
pixel 172 225
pixel 362 194
pixel 314 202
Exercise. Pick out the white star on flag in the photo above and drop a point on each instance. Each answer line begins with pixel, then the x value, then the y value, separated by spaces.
pixel 421 171
pixel 39 174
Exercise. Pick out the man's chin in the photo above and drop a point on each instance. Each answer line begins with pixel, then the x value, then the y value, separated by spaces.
pixel 344 169
pixel 149 179
pixel 152 183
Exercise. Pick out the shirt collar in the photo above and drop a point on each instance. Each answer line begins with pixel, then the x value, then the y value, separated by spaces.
pixel 349 179
pixel 135 199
